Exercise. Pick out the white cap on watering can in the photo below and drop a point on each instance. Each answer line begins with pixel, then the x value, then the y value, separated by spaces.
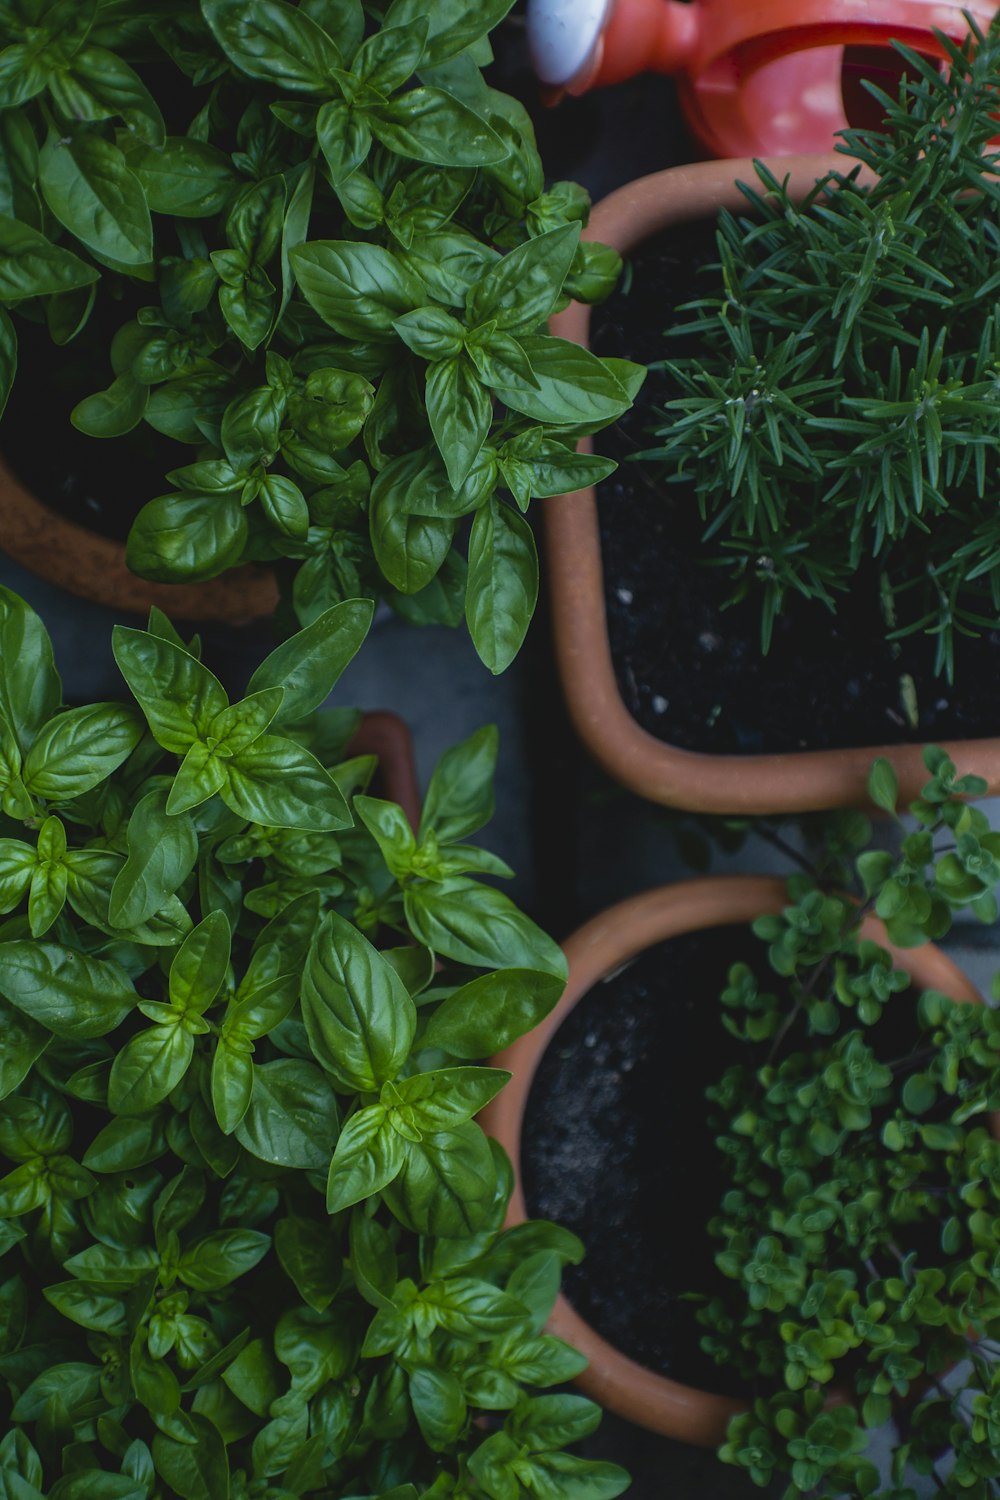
pixel 564 35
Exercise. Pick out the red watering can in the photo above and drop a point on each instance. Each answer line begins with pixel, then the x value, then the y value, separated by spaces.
pixel 755 77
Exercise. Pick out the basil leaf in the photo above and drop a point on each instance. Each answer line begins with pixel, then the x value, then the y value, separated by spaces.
pixel 69 993
pixel 308 665
pixel 430 125
pixel 31 266
pixel 476 924
pixel 218 1259
pixel 162 852
pixel 489 1013
pixel 571 385
pixel 523 290
pixel 276 782
pixel 310 1257
pixel 459 796
pixel 198 1470
pixel 99 85
pixel 24 1041
pixel 80 748
pixel 447 1184
pixel 503 584
pixel 369 1155
pixel 409 548
pixel 148 1067
pixel 358 1013
pixel 30 690
pixel 357 289
pixel 454 24
pixel 274 42
pixel 448 1097
pixel 91 191
pixel 187 537
pixel 460 411
pixel 178 695
pixel 113 412
pixel 184 177
pixel 292 1120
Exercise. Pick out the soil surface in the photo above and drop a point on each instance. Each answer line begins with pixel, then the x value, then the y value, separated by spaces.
pixel 689 668
pixel 100 483
pixel 616 1147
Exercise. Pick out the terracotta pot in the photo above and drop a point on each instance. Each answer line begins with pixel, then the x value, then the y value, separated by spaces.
pixel 93 567
pixel 388 736
pixel 746 784
pixel 595 951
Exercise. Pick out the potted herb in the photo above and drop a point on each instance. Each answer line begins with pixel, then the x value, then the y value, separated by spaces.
pixel 251 1235
pixel 320 254
pixel 805 558
pixel 854 1231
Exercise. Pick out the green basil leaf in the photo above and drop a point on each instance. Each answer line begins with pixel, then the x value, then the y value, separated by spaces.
pixel 178 695
pixel 459 796
pixel 221 1257
pixel 99 85
pixel 409 548
pixel 80 748
pixel 148 1067
pixel 232 1084
pixel 162 852
pixel 30 690
pixel 523 290
pixel 278 783
pixel 447 1185
pixel 476 924
pixel 113 412
pixel 448 1097
pixel 460 411
pixel 572 386
pixel 308 665
pixel 198 1470
pixel 24 1041
pixel 430 125
pixel 359 290
pixel 200 965
pixel 344 139
pixel 310 1258
pixel 369 1155
pixel 90 1308
pixel 184 177
pixel 292 1120
pixel 187 538
pixel 438 1405
pixel 485 1016
pixel 91 191
pixel 503 584
pixel 31 266
pixel 454 24
pixel 69 993
pixel 388 825
pixel 275 43
pixel 357 1011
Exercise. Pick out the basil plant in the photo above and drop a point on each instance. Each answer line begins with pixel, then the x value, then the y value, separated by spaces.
pixel 328 275
pixel 251 1235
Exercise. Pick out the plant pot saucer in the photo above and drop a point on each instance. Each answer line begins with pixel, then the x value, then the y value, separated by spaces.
pixel 753 784
pixel 93 567
pixel 596 950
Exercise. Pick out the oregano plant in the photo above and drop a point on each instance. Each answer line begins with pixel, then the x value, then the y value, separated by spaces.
pixel 321 254
pixel 251 1236
pixel 862 1151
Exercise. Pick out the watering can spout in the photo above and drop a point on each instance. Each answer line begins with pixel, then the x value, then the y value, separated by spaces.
pixel 576 44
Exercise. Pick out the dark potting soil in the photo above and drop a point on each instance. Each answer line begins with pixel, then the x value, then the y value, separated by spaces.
pixel 100 483
pixel 617 1148
pixel 690 669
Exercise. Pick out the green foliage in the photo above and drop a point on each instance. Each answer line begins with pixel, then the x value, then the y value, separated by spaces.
pixel 339 256
pixel 840 417
pixel 860 1224
pixel 251 1235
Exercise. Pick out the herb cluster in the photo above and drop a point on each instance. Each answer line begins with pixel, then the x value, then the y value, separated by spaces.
pixel 860 1229
pixel 839 423
pixel 328 255
pixel 251 1236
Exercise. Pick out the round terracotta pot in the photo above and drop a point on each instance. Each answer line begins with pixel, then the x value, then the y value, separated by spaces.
pixel 742 784
pixel 93 567
pixel 596 950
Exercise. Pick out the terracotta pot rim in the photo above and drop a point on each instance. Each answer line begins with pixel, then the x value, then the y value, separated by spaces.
pixel 594 952
pixel 93 567
pixel 783 782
